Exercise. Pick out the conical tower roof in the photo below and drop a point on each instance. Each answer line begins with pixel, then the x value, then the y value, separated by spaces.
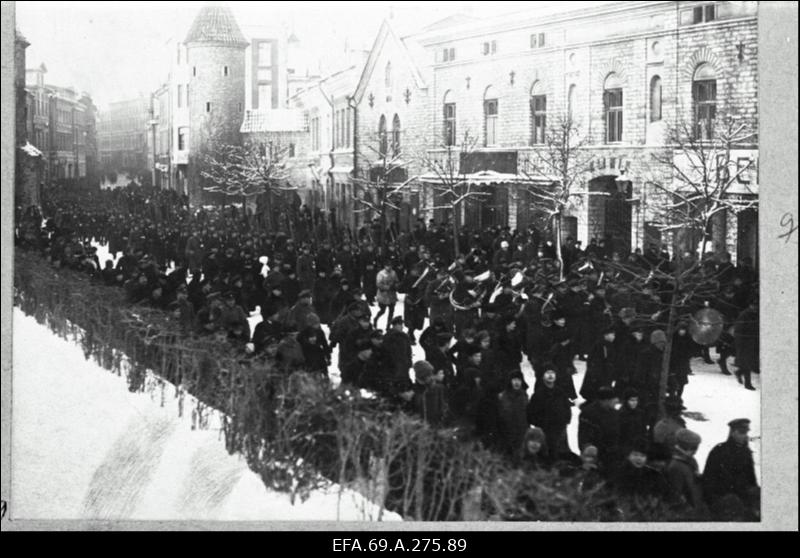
pixel 216 24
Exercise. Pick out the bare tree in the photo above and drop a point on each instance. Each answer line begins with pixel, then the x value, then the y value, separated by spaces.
pixel 246 172
pixel 702 184
pixel 554 173
pixel 385 184
pixel 451 186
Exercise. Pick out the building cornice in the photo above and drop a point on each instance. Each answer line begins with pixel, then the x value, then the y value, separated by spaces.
pixel 673 31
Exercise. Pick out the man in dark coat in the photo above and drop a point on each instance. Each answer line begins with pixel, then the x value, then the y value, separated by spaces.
pixel 512 414
pixel 560 353
pixel 729 479
pixel 635 478
pixel 745 334
pixel 414 304
pixel 600 366
pixel 439 358
pixel 354 369
pixel 398 352
pixel 599 426
pixel 551 410
pixel 632 420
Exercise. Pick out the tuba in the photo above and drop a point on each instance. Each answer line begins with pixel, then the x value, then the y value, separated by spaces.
pixel 706 326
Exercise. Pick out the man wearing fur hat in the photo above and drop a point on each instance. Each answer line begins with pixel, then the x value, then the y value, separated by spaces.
pixel 729 479
pixel 683 472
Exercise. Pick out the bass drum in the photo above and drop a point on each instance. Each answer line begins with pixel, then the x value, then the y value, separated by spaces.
pixel 705 326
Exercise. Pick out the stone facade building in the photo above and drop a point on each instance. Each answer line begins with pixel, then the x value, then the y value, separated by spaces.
pixel 122 137
pixel 63 128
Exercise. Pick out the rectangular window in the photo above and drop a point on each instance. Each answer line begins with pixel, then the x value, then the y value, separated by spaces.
pixel 183 139
pixel 291 150
pixel 208 106
pixel 450 124
pixel 541 40
pixel 612 101
pixel 490 114
pixel 180 96
pixel 225 71
pixel 539 115
pixel 489 47
pixel 704 14
pixel 264 96
pixel 704 93
pixel 347 124
pixel 194 71
pixel 264 54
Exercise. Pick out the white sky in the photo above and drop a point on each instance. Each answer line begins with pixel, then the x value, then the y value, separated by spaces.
pixel 115 50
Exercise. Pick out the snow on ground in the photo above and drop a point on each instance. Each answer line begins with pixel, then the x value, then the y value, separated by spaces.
pixel 84 447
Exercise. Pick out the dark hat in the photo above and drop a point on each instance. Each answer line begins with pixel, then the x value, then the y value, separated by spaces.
pixel 658 336
pixel 630 392
pixel 354 307
pixel 640 445
pixel 290 328
pixel 674 403
pixel 444 337
pixel 686 439
pixel 229 296
pixel 604 393
pixel 608 329
pixel 398 320
pixel 305 293
pixel 740 424
pixel 422 370
pixel 344 281
pixel 471 350
pixel 376 334
pixel 363 345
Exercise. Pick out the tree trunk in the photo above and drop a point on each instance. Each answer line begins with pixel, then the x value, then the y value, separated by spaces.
pixel 662 381
pixel 455 232
pixel 557 236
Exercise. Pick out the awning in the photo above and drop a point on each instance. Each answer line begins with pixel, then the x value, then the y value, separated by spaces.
pixel 341 170
pixel 486 178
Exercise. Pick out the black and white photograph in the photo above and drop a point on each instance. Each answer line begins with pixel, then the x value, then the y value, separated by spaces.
pixel 398 262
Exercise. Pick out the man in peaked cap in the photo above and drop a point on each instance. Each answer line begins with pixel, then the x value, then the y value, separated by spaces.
pixel 729 479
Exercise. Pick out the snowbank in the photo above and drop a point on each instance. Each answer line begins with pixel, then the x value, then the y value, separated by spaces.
pixel 84 447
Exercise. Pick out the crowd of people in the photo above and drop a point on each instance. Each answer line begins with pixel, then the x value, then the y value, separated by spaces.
pixel 506 296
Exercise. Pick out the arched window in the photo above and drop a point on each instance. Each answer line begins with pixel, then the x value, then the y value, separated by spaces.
pixel 655 99
pixel 612 105
pixel 449 119
pixel 704 97
pixel 382 138
pixel 388 75
pixel 538 114
pixel 571 100
pixel 395 136
pixel 490 112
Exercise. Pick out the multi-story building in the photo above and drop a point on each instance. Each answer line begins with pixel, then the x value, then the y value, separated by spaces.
pixel 122 137
pixel 625 73
pixel 62 127
pixel 159 137
pixel 29 161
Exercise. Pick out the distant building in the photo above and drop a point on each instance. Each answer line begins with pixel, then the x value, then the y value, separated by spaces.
pixel 159 137
pixel 62 128
pixel 29 161
pixel 121 137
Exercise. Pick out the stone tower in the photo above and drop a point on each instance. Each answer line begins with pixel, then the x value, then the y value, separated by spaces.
pixel 215 48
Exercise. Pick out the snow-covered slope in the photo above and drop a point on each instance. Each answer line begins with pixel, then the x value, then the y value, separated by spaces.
pixel 84 447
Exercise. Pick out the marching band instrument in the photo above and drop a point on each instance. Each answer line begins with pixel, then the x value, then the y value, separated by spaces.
pixel 706 326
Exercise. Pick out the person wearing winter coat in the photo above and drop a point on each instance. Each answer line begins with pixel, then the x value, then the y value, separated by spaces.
pixel 683 347
pixel 349 348
pixel 745 335
pixel 440 359
pixel 316 351
pixel 298 315
pixel 353 373
pixel 232 315
pixel 729 479
pixel 632 421
pixel 664 430
pixel 635 478
pixel 386 283
pixel 305 269
pixel 429 399
pixel 600 366
pixel 598 425
pixel 512 415
pixel 290 354
pixel 415 308
pixel 322 295
pixel 560 353
pixel 507 345
pixel 397 346
pixel 551 410
pixel 682 472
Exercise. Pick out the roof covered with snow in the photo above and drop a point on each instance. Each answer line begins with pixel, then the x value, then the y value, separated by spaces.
pixel 274 120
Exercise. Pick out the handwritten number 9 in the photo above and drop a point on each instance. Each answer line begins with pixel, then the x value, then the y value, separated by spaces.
pixel 787 222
